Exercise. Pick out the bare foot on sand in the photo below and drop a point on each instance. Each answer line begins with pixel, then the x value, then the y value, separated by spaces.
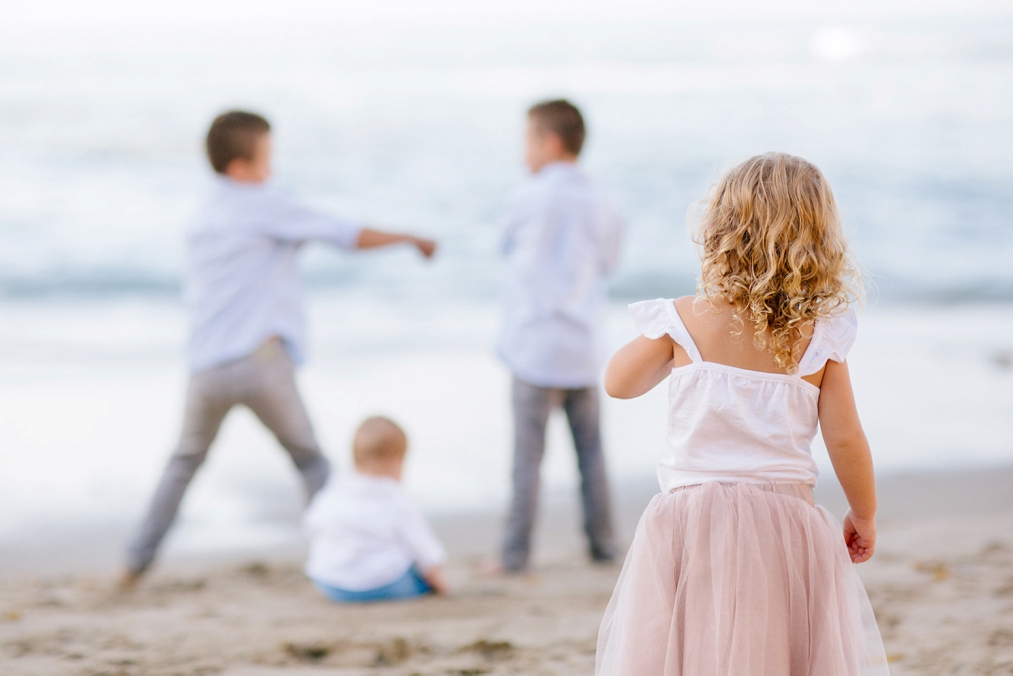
pixel 494 568
pixel 126 580
pixel 491 568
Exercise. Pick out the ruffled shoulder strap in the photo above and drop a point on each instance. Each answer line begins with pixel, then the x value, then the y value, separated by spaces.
pixel 656 318
pixel 832 339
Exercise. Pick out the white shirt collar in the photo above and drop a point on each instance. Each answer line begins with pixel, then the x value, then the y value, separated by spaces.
pixel 560 167
pixel 223 182
pixel 372 479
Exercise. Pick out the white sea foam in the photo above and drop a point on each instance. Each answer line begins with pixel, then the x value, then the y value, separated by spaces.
pixel 91 396
pixel 836 43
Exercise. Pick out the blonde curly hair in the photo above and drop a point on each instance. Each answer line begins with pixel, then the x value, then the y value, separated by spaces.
pixel 772 245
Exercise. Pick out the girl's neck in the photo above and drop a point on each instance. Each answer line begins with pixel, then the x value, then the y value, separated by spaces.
pixel 726 337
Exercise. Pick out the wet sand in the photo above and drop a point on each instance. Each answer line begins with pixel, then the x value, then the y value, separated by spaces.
pixel 941 584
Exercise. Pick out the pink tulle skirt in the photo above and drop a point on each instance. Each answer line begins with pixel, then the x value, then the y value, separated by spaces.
pixel 739 580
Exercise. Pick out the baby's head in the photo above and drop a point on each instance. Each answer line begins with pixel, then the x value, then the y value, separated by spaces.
pixel 772 245
pixel 555 133
pixel 379 448
pixel 239 146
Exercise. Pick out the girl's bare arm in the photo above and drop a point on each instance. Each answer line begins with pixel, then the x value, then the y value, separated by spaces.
pixel 638 366
pixel 851 458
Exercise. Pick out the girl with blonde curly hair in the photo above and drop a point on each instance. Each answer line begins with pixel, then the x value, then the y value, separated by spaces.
pixel 733 570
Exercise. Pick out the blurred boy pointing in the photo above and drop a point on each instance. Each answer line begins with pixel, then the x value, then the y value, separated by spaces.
pixel 247 329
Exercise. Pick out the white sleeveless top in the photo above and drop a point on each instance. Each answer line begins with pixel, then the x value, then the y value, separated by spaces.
pixel 730 424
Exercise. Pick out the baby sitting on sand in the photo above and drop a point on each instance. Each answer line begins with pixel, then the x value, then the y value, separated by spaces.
pixel 368 540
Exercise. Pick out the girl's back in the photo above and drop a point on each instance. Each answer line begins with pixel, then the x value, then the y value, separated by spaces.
pixel 733 569
pixel 734 413
pixel 719 339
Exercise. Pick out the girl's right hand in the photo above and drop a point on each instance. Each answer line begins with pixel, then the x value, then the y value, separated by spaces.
pixel 860 537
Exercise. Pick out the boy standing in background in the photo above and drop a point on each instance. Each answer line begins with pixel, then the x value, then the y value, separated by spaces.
pixel 561 241
pixel 247 329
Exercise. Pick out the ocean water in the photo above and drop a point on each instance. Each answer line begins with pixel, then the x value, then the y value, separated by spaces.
pixel 419 128
pixel 911 119
pixel 91 398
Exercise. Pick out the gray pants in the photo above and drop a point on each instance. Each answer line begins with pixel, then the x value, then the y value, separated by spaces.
pixel 265 383
pixel 532 406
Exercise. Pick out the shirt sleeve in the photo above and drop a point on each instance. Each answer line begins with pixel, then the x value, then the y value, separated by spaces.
pixel 656 318
pixel 832 341
pixel 426 549
pixel 286 220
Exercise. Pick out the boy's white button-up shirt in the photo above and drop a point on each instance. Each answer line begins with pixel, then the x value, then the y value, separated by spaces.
pixel 242 279
pixel 561 241
pixel 365 532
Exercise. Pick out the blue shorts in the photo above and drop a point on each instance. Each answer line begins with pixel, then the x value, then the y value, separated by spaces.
pixel 409 585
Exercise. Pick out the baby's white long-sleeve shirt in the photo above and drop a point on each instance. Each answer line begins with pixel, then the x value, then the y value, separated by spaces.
pixel 366 532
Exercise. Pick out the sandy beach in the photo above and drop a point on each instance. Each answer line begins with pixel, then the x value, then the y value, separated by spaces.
pixel 941 584
pixel 411 115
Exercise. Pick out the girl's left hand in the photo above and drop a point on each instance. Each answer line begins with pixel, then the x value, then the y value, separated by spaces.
pixel 860 537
